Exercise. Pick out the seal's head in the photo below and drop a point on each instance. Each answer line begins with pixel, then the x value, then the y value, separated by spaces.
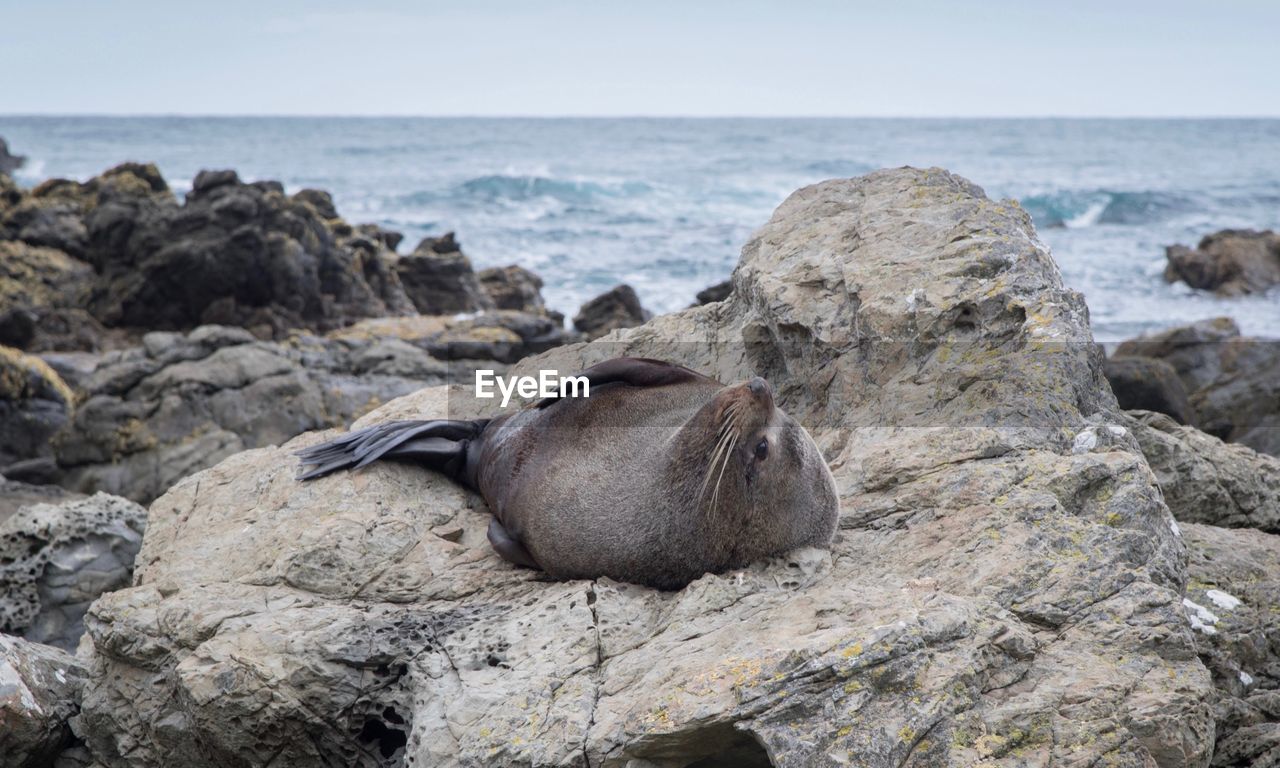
pixel 763 474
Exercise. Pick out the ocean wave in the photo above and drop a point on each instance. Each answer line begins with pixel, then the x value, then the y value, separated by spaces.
pixel 504 188
pixel 1086 208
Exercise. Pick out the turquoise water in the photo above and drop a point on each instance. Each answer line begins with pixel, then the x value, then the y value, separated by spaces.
pixel 665 204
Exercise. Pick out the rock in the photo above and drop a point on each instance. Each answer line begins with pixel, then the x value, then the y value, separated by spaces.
pixel 619 307
pixel 1233 602
pixel 1233 380
pixel 1148 384
pixel 233 253
pixel 1006 585
pixel 34 405
pixel 40 290
pixel 1232 262
pixel 39 693
pixel 501 335
pixel 1205 480
pixel 182 402
pixel 514 288
pixel 714 293
pixel 55 559
pixel 9 162
pixel 439 280
pixel 15 494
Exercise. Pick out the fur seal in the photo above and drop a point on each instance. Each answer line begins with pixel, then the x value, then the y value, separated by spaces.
pixel 659 476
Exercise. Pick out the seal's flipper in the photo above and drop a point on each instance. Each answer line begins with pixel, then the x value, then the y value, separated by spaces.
pixel 511 550
pixel 635 372
pixel 440 444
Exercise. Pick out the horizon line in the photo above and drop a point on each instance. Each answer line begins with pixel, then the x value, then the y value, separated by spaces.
pixel 620 116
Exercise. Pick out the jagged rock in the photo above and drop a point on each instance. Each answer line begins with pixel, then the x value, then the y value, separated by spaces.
pixel 514 288
pixel 504 336
pixel 1006 586
pixel 34 404
pixel 618 307
pixel 234 253
pixel 1148 384
pixel 55 559
pixel 9 162
pixel 39 693
pixel 714 293
pixel 42 291
pixel 1232 262
pixel 1233 602
pixel 439 280
pixel 1205 480
pixel 1233 380
pixel 182 402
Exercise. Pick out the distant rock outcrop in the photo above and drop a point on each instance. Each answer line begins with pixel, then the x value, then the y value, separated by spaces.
pixel 9 162
pixel 618 307
pixel 1006 586
pixel 439 279
pixel 1232 262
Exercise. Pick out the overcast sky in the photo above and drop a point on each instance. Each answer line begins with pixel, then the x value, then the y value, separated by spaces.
pixel 642 57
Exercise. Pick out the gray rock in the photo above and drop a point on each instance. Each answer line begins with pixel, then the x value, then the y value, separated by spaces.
pixel 1232 262
pixel 618 307
pixel 1205 480
pixel 55 559
pixel 1006 586
pixel 713 293
pixel 513 287
pixel 15 495
pixel 1149 384
pixel 1233 380
pixel 439 279
pixel 39 693
pixel 1233 603
pixel 9 162
pixel 34 405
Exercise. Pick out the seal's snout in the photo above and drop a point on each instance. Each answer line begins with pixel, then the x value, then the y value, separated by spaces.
pixel 760 390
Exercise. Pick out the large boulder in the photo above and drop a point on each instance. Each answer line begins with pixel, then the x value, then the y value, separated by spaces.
pixel 1005 587
pixel 1233 600
pixel 39 694
pixel 1149 384
pixel 1205 480
pixel 42 294
pixel 1233 380
pixel 439 279
pixel 618 307
pixel 56 559
pixel 1232 262
pixel 513 287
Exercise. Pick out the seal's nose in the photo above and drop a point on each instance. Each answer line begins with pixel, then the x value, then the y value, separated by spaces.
pixel 759 388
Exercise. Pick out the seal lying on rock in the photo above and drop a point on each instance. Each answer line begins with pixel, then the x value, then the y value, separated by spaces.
pixel 659 476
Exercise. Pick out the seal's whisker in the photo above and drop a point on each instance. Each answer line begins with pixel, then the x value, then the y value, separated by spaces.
pixel 720 451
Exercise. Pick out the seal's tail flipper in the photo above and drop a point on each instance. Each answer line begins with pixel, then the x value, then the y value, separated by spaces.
pixel 440 444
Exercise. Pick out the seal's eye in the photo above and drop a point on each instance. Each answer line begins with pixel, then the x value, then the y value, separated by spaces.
pixel 762 450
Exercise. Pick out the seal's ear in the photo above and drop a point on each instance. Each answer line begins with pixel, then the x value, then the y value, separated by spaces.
pixel 635 372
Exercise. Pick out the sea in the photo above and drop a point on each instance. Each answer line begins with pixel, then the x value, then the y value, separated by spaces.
pixel 666 204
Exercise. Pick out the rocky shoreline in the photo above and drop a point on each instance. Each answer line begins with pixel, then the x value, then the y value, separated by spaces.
pixel 1030 569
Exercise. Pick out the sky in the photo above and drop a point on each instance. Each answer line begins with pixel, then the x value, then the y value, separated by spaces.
pixel 642 57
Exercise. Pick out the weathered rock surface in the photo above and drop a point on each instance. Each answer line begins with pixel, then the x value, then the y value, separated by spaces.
pixel 1233 600
pixel 1149 384
pixel 1005 588
pixel 439 279
pixel 55 559
pixel 1205 480
pixel 39 693
pixel 34 405
pixel 1233 380
pixel 513 287
pixel 232 253
pixel 156 413
pixel 618 307
pixel 1232 262
pixel 15 495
